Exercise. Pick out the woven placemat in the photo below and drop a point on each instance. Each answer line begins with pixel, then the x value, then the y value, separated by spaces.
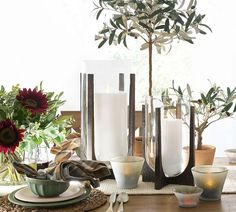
pixel 109 186
pixel 96 199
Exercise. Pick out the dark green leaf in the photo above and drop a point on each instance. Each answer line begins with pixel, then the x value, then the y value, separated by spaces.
pixel 158 19
pixel 120 37
pixel 204 99
pixel 206 26
pixel 202 32
pixel 2 115
pixel 149 5
pixel 160 27
pixel 234 108
pixel 113 24
pixel 132 35
pixel 120 21
pixel 179 20
pixel 214 96
pixel 198 19
pixel 140 5
pixel 210 92
pixel 100 2
pixel 219 99
pixel 188 40
pixel 143 17
pixel 112 35
pixel 180 91
pixel 189 21
pixel 143 25
pixel 167 9
pixel 156 12
pixel 167 26
pixel 228 91
pixel 102 42
pixel 227 107
pixel 99 13
pixel 121 4
pixel 182 14
pixel 104 31
pixel 124 42
pixel 177 29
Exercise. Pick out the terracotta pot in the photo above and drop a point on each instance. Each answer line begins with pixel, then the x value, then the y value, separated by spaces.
pixel 138 146
pixel 202 157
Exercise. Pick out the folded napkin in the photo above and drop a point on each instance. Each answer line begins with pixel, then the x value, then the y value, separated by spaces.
pixel 82 170
pixel 64 169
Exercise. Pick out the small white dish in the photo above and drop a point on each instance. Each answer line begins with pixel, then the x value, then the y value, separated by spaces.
pixel 231 154
pixel 187 196
pixel 26 195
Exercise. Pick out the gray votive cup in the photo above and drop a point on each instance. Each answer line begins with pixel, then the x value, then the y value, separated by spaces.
pixel 127 170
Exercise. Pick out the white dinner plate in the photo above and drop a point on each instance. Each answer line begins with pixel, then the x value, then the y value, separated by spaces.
pixel 25 194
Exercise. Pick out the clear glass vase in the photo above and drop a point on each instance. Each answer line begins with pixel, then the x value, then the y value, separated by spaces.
pixel 173 133
pixel 10 179
pixel 38 157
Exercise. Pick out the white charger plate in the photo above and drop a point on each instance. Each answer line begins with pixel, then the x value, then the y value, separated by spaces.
pixel 85 195
pixel 26 195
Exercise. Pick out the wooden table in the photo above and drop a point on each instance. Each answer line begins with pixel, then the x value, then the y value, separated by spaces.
pixel 168 203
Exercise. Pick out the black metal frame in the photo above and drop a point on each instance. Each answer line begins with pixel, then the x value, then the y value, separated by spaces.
pixel 158 176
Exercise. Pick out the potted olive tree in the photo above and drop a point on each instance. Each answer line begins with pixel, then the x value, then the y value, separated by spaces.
pixel 211 106
pixel 156 22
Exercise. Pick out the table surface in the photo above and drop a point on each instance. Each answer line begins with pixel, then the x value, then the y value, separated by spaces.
pixel 168 203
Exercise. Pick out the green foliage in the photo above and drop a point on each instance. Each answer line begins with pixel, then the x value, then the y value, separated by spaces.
pixel 155 21
pixel 47 127
pixel 210 106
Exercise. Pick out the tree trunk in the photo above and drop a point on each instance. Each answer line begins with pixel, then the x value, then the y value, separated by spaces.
pixel 199 140
pixel 150 66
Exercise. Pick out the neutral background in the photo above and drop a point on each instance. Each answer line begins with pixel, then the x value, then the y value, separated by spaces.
pixel 53 41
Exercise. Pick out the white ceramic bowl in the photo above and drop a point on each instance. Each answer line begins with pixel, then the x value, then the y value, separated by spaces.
pixel 231 154
pixel 187 196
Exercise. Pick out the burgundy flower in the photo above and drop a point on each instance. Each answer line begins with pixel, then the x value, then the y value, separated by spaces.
pixel 33 100
pixel 10 136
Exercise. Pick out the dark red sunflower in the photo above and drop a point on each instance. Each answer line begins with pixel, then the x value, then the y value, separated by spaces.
pixel 10 136
pixel 33 100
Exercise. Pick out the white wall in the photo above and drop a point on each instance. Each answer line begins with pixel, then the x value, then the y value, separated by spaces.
pixel 48 40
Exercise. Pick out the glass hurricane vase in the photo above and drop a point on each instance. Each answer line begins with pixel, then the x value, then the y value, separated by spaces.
pixel 173 133
pixel 10 179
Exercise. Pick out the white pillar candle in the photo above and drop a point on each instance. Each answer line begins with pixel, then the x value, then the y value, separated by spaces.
pixel 171 146
pixel 110 125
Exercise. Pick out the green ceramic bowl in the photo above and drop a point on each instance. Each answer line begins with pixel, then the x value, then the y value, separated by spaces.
pixel 47 188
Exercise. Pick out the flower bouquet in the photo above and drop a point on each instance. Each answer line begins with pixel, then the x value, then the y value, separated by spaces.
pixel 28 118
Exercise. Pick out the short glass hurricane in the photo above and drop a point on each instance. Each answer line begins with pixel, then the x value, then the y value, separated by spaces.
pixel 211 179
pixel 127 170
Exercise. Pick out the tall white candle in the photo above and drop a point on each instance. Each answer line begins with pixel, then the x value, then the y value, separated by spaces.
pixel 110 125
pixel 171 146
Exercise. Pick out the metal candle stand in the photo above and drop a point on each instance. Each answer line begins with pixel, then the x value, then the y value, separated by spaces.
pixel 87 98
pixel 158 176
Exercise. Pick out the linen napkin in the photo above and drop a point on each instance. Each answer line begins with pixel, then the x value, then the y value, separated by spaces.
pixel 82 170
